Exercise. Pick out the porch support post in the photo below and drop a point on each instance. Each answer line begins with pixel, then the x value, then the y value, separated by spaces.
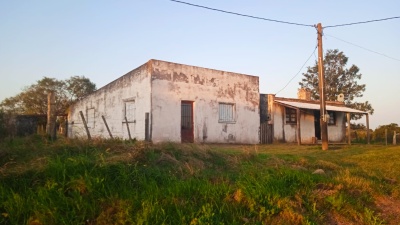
pixel 298 126
pixel 368 137
pixel 348 129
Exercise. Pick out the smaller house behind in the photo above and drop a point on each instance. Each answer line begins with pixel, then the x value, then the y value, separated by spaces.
pixel 298 120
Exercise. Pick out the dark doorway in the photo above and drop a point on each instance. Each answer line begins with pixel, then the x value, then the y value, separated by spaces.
pixel 317 124
pixel 187 134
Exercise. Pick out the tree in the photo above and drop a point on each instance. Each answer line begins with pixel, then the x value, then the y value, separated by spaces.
pixel 78 87
pixel 338 79
pixel 33 99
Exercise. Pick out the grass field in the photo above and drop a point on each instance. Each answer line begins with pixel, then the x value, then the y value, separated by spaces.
pixel 117 182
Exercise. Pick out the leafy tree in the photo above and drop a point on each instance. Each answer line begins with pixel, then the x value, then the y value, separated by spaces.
pixel 78 87
pixel 338 79
pixel 33 99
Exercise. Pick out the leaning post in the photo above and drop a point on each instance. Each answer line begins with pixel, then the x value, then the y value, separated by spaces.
pixel 108 129
pixel 127 127
pixel 85 125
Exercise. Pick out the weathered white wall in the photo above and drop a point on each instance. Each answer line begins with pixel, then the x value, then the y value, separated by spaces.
pixel 337 132
pixel 307 127
pixel 173 83
pixel 109 101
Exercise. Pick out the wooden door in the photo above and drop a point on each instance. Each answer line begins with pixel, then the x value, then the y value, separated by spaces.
pixel 187 134
pixel 317 124
pixel 266 133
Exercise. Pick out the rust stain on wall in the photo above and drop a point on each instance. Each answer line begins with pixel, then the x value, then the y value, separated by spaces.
pixel 180 77
pixel 198 80
pixel 231 137
pixel 228 92
pixel 174 88
pixel 213 104
pixel 213 82
pixel 225 128
pixel 161 75
pixel 252 98
pixel 205 130
pixel 253 109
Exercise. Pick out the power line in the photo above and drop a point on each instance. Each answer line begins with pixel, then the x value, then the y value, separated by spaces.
pixel 368 21
pixel 244 15
pixel 299 70
pixel 285 22
pixel 363 48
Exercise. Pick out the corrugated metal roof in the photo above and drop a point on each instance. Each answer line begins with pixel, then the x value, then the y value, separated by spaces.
pixel 304 105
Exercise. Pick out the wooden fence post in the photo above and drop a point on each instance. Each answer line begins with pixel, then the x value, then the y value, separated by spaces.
pixel 51 117
pixel 127 127
pixel 146 128
pixel 108 129
pixel 368 134
pixel 84 124
pixel 386 136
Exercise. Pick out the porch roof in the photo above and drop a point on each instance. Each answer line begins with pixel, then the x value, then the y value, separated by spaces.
pixel 305 105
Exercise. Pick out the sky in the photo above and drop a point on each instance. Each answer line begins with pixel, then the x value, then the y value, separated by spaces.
pixel 103 40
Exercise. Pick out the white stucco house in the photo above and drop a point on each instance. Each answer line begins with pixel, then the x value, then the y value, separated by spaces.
pixel 163 101
pixel 298 120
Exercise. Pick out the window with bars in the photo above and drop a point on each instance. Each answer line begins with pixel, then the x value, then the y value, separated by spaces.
pixel 130 110
pixel 226 112
pixel 291 115
pixel 332 118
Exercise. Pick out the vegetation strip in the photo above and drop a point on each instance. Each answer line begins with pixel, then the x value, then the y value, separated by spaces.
pixel 128 182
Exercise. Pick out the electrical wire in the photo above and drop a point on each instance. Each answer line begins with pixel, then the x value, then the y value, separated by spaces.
pixel 313 53
pixel 281 21
pixel 363 48
pixel 244 15
pixel 368 21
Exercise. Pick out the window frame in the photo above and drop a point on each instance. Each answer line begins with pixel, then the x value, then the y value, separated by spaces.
pixel 290 113
pixel 229 112
pixel 332 118
pixel 131 117
pixel 90 117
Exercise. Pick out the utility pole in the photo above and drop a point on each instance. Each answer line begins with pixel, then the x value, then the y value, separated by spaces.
pixel 322 95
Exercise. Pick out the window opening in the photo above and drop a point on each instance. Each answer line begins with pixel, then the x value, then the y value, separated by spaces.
pixel 130 110
pixel 291 115
pixel 226 113
pixel 332 118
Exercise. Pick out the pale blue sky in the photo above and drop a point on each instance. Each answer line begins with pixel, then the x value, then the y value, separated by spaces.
pixel 103 40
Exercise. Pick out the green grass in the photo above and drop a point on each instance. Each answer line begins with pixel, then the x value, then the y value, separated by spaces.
pixel 118 182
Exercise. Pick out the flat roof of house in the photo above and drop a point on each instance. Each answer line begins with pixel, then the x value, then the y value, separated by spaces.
pixel 314 106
